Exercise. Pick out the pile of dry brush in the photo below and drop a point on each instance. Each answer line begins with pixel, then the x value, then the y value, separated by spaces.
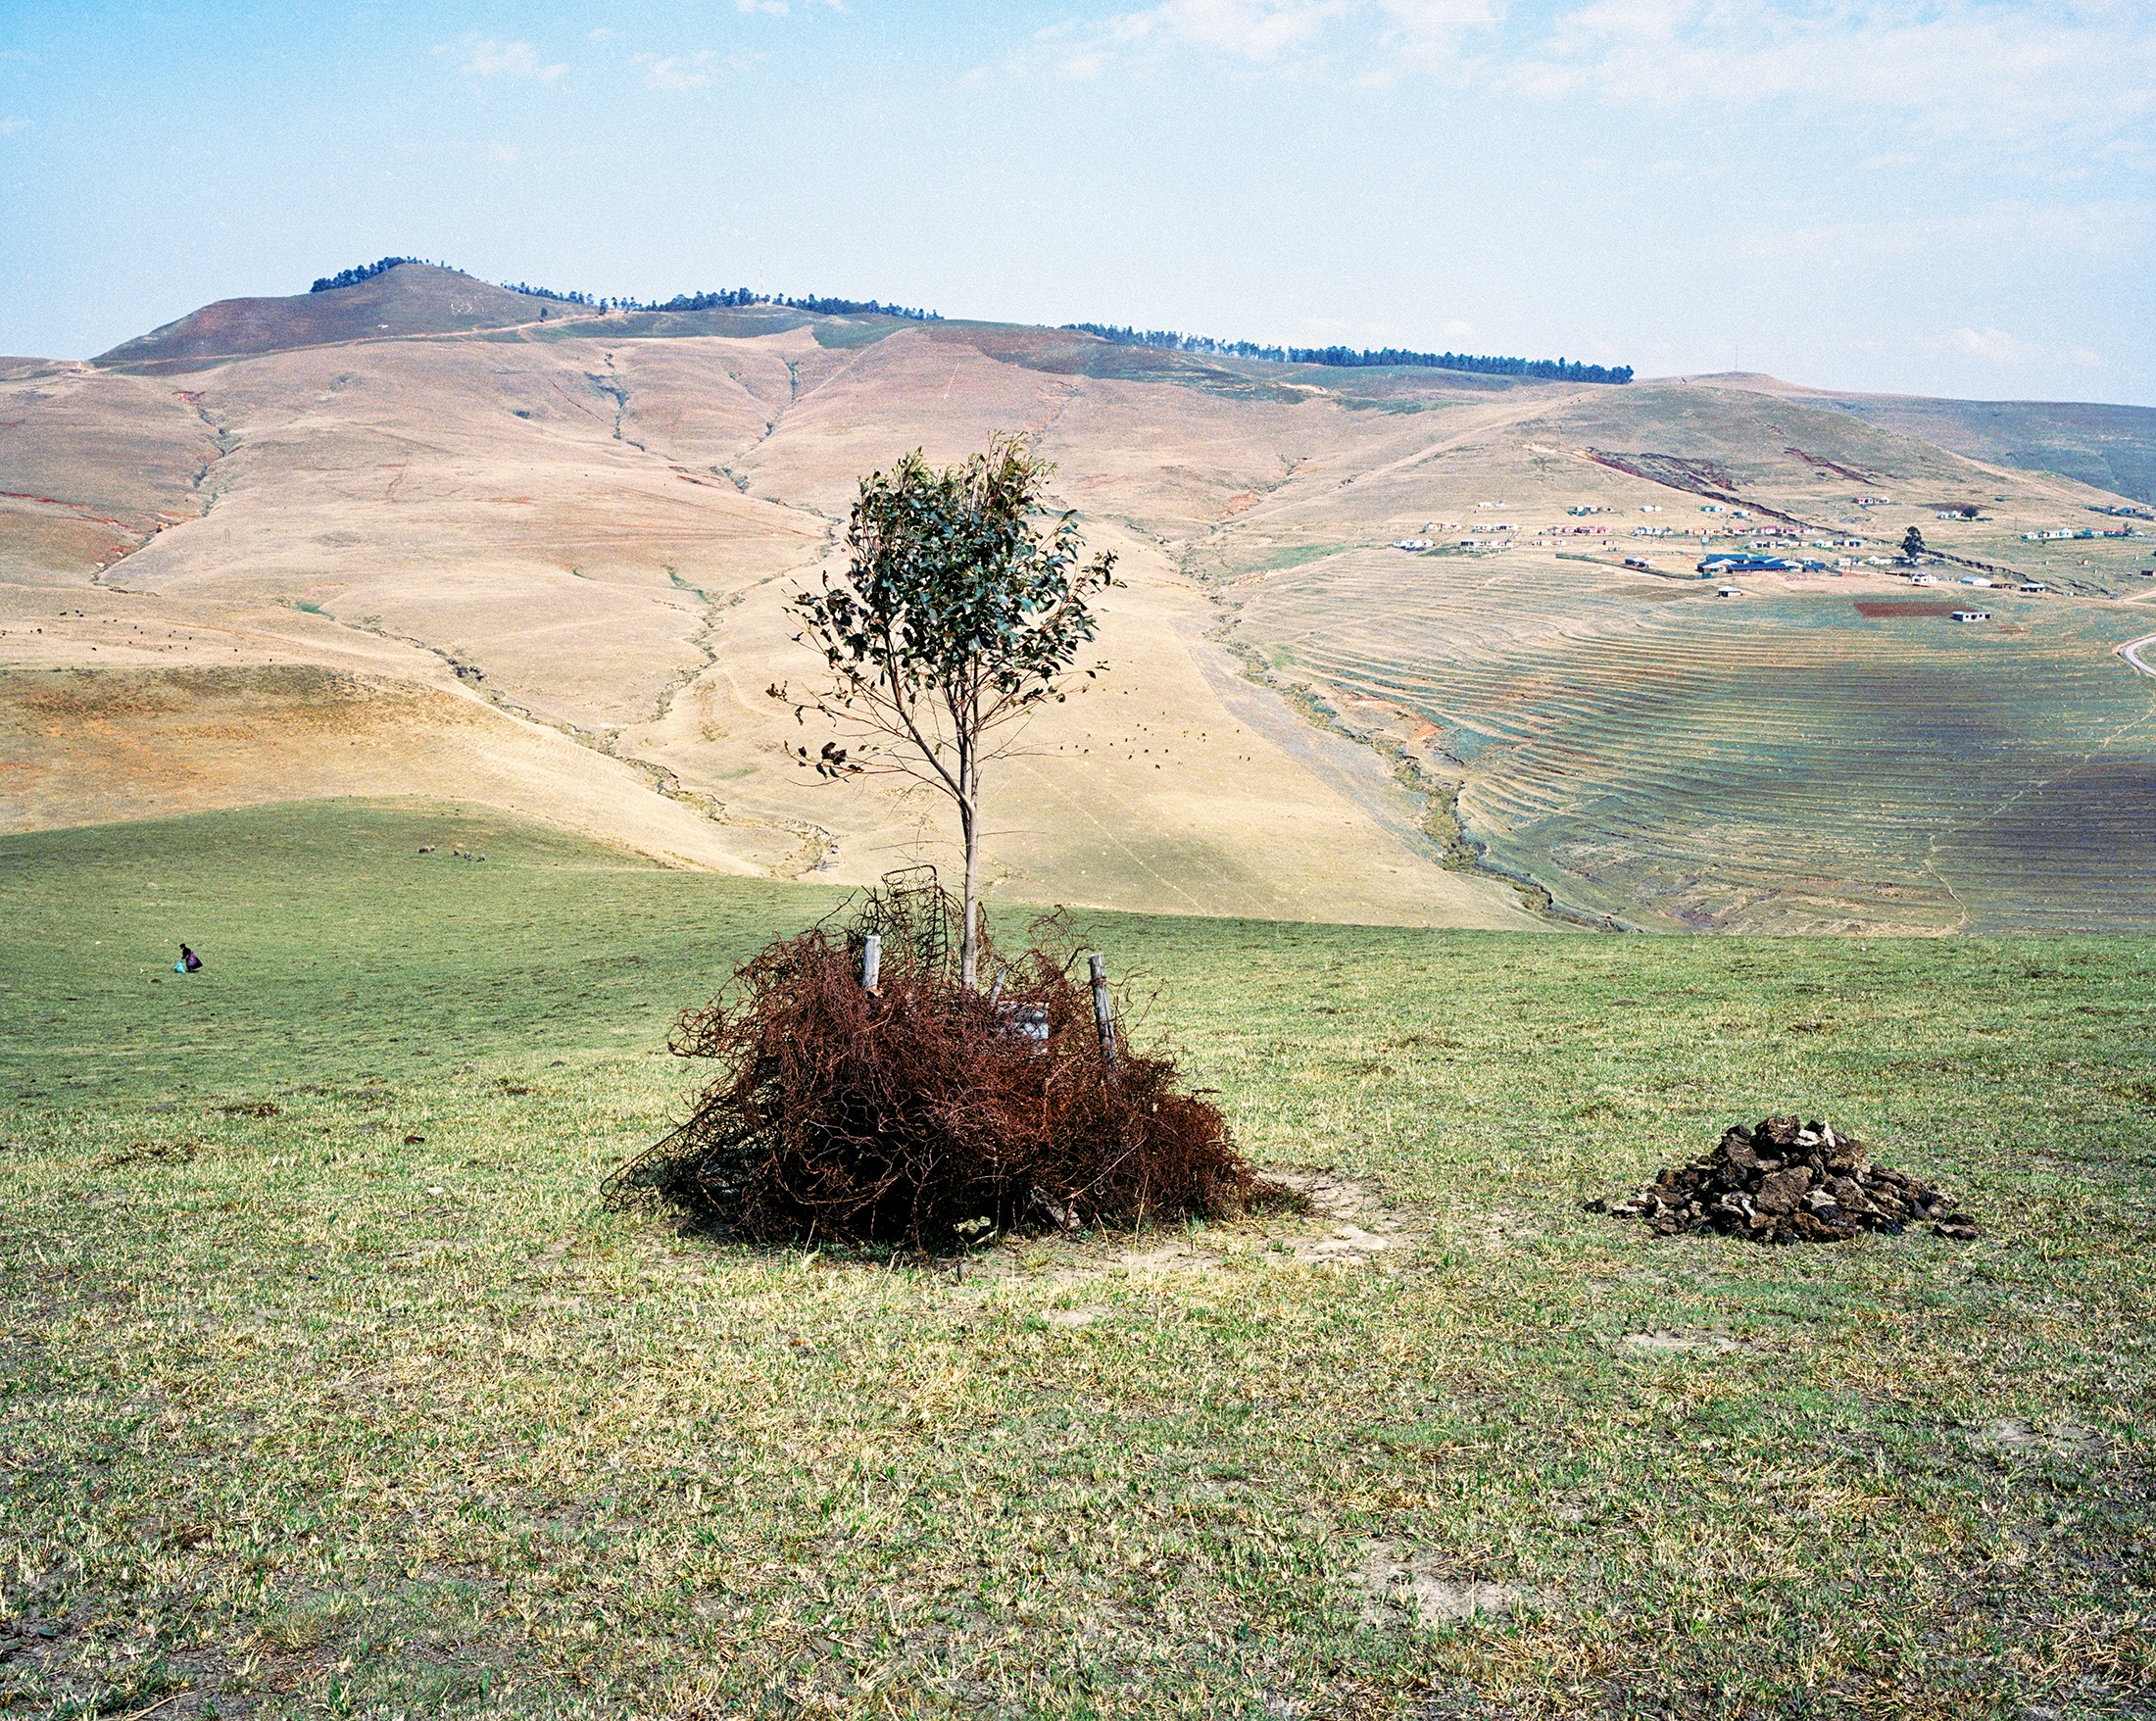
pixel 926 1111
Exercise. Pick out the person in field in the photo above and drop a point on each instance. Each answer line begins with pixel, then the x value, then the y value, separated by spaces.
pixel 188 962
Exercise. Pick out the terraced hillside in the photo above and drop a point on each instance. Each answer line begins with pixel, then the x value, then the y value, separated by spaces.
pixel 1815 755
pixel 1784 761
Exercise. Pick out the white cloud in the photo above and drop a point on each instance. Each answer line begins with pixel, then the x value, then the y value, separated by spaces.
pixel 1250 29
pixel 1974 67
pixel 603 34
pixel 2136 150
pixel 1370 39
pixel 2108 228
pixel 1992 345
pixel 1270 30
pixel 13 127
pixel 1012 69
pixel 2069 72
pixel 681 73
pixel 491 57
pixel 1996 346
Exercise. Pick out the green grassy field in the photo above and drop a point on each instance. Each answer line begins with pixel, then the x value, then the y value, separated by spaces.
pixel 326 1387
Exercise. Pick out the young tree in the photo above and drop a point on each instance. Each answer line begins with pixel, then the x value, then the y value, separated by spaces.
pixel 964 606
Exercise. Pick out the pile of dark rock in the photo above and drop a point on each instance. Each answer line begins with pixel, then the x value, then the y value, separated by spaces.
pixel 1789 1181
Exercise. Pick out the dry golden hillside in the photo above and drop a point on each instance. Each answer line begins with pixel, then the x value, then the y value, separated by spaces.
pixel 413 538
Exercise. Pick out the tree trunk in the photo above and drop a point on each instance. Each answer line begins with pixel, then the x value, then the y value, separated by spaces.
pixel 970 824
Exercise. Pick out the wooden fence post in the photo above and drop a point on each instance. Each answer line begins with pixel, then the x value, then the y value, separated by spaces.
pixel 871 962
pixel 1102 1015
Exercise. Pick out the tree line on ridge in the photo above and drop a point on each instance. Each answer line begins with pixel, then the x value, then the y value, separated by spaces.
pixel 1558 369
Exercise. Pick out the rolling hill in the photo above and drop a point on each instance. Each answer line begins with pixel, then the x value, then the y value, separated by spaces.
pixel 411 300
pixel 411 537
pixel 2110 447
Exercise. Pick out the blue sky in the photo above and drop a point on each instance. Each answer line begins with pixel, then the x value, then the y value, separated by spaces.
pixel 1948 198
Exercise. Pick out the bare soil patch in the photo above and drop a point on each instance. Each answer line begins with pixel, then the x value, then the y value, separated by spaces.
pixel 2059 1438
pixel 1903 608
pixel 1679 1339
pixel 1404 1587
pixel 1349 1226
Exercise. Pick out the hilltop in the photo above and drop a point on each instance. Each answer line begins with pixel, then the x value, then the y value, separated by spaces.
pixel 423 535
pixel 413 299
